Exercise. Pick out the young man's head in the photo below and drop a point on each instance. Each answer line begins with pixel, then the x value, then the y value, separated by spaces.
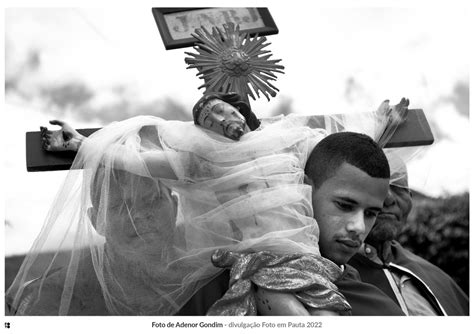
pixel 349 174
pixel 396 207
pixel 226 114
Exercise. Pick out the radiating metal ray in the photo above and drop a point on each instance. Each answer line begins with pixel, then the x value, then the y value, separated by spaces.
pixel 228 61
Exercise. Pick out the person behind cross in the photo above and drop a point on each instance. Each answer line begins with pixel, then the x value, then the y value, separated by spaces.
pixel 419 287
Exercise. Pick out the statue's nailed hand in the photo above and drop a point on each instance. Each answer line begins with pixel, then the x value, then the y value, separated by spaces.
pixel 397 113
pixel 64 139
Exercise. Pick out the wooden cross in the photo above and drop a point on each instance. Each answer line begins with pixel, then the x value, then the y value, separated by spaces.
pixel 228 59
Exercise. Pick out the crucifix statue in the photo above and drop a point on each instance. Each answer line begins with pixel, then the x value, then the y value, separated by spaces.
pixel 227 60
pixel 165 207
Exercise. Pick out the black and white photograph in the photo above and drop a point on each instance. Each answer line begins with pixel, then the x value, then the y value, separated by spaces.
pixel 240 168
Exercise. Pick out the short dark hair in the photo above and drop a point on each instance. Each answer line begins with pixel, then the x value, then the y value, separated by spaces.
pixel 233 99
pixel 356 149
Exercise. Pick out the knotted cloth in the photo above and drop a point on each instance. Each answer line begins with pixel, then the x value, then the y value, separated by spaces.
pixel 310 277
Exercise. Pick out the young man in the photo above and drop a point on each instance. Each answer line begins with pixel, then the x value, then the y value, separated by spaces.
pixel 419 287
pixel 349 176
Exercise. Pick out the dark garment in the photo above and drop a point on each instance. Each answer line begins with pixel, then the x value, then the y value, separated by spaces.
pixel 443 289
pixel 206 296
pixel 364 298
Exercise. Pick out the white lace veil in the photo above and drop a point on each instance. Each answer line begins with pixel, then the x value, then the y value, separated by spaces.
pixel 144 244
pixel 398 158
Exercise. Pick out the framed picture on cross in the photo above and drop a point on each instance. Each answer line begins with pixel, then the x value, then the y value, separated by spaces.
pixel 177 24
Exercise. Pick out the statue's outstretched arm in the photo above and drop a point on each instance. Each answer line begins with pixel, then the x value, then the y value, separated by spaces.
pixel 68 139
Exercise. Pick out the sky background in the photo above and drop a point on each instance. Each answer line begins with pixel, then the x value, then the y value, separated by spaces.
pixel 92 66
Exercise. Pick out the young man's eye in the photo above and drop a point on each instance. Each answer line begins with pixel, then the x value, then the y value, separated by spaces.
pixel 343 206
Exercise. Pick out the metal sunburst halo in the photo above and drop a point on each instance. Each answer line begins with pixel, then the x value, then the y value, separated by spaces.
pixel 229 61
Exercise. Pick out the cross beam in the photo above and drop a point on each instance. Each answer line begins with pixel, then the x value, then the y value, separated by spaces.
pixel 415 131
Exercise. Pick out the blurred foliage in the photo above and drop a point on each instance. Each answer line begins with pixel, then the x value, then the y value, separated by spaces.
pixel 438 231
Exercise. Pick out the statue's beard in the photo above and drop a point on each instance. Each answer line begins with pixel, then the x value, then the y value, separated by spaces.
pixel 233 129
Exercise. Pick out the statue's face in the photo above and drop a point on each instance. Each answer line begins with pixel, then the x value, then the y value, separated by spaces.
pixel 223 118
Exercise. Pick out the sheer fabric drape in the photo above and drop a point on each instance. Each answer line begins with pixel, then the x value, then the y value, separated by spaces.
pixel 145 243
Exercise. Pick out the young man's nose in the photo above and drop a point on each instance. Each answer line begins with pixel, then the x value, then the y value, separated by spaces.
pixel 356 223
